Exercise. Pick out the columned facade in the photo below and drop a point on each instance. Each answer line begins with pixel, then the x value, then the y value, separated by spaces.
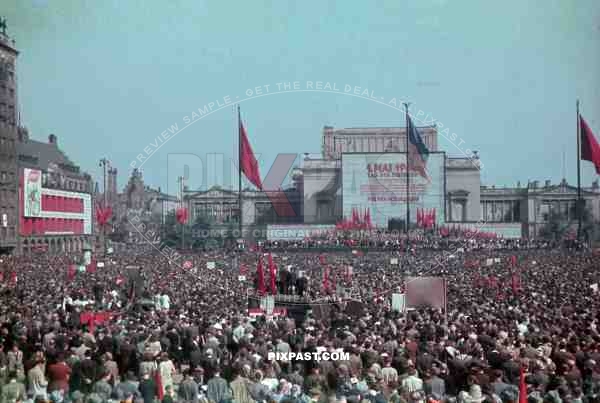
pixel 54 245
pixel 533 206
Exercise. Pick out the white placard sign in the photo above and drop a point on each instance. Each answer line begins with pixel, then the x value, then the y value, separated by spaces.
pixel 210 265
pixel 398 302
pixel 100 264
pixel 394 260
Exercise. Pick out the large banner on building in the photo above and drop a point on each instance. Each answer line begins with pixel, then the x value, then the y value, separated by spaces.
pixel 376 183
pixel 52 211
pixel 32 179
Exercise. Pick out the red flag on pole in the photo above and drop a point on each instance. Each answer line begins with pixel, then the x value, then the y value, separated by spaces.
pixel 159 386
pixel 91 268
pixel 261 276
pixel 522 386
pixel 273 275
pixel 119 280
pixel 71 272
pixel 248 163
pixel 590 149
pixel 516 283
pixel 326 279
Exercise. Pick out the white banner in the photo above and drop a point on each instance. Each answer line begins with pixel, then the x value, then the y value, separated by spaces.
pixel 267 304
pixel 32 193
pixel 398 302
pixel 394 260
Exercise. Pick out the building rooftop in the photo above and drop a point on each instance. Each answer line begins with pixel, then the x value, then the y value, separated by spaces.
pixel 42 155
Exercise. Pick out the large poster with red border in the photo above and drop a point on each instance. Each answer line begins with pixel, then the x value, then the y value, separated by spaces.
pixel 48 211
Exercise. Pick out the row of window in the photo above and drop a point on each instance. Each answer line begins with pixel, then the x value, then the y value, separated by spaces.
pixel 7 177
pixel 7 144
pixel 565 209
pixel 501 211
pixel 7 232
pixel 5 90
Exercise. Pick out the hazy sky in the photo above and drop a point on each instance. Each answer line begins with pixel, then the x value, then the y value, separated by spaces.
pixel 108 77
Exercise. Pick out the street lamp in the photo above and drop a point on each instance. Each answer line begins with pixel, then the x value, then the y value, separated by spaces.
pixel 104 163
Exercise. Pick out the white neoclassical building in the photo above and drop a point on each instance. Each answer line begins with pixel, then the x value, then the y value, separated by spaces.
pixel 317 191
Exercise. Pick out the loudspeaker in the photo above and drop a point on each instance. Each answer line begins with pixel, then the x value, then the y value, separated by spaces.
pixel 396 224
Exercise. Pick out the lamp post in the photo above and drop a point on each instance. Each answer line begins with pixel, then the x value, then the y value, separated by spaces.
pixel 104 163
pixel 181 181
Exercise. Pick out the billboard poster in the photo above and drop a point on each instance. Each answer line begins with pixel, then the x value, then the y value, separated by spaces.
pixel 32 192
pixel 376 183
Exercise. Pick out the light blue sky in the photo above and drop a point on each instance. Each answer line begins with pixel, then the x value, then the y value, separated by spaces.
pixel 109 76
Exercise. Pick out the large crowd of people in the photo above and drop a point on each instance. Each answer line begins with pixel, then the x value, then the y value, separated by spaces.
pixel 155 327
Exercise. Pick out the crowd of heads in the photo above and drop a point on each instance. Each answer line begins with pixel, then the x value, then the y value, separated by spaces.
pixel 179 330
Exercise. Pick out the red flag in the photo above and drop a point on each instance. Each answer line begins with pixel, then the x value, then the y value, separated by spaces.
pixel 522 387
pixel 13 278
pixel 326 279
pixel 91 268
pixel 273 275
pixel 71 272
pixel 355 218
pixel 261 276
pixel 368 219
pixel 181 215
pixel 248 163
pixel 120 280
pixel 516 283
pixel 590 149
pixel 159 386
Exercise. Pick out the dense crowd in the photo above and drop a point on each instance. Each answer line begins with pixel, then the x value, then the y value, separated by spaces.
pixel 179 330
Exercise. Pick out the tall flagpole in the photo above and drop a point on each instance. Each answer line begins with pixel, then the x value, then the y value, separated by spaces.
pixel 240 170
pixel 579 203
pixel 406 104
